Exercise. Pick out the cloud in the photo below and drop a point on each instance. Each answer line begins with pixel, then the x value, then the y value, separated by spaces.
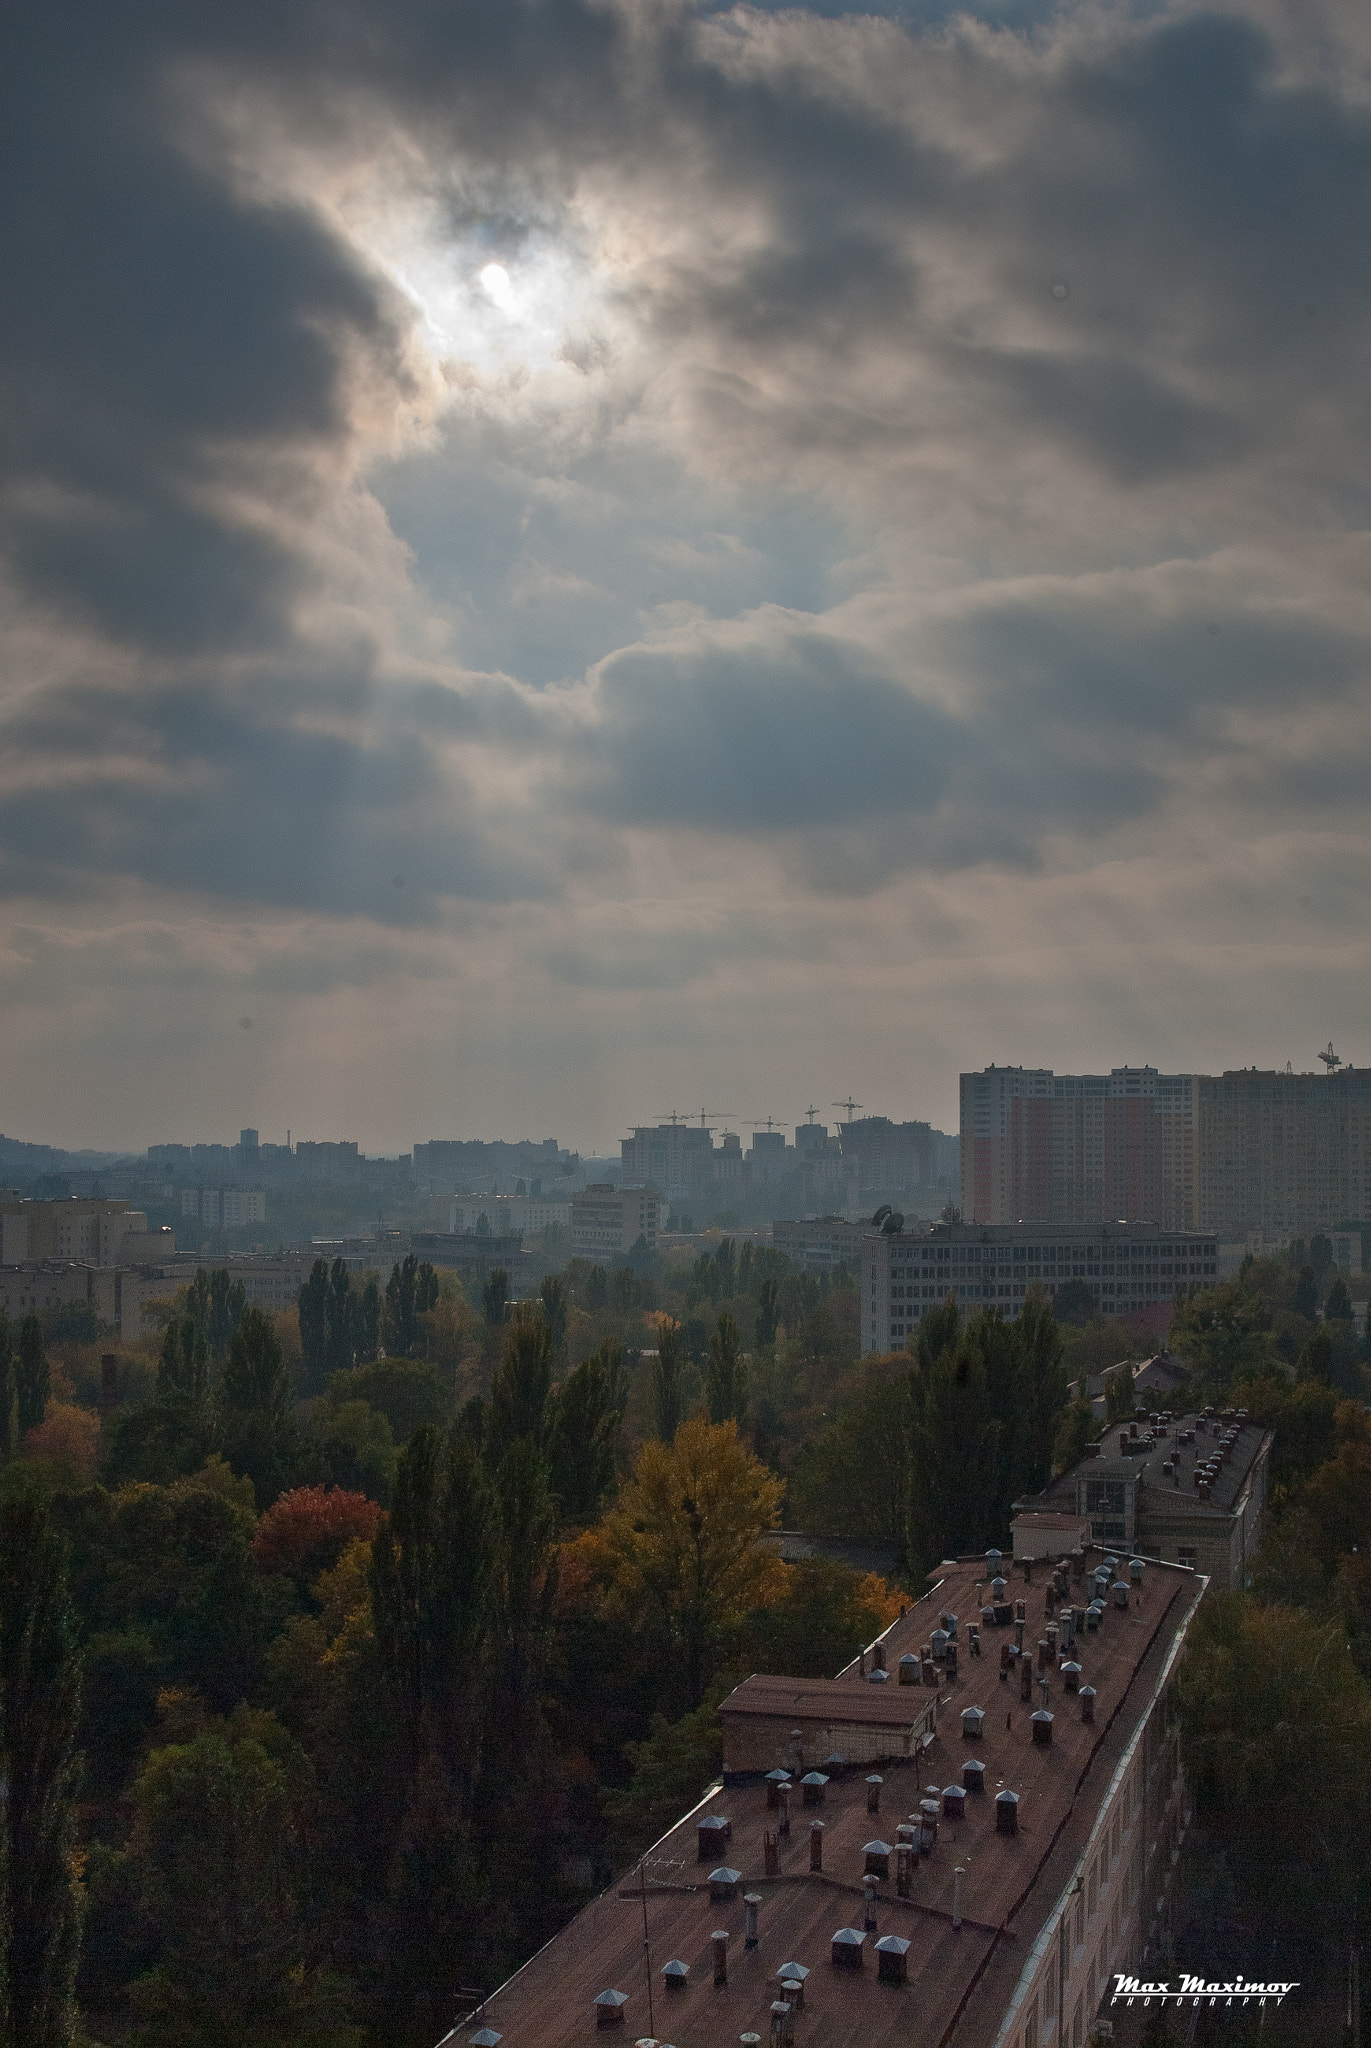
pixel 914 471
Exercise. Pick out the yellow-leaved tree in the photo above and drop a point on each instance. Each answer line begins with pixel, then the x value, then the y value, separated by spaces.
pixel 683 1541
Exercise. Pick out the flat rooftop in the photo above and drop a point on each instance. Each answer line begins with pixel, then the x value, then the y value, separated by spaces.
pixel 1147 1464
pixel 958 1979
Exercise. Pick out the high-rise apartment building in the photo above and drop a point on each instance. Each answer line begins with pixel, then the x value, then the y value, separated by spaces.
pixel 1079 1148
pixel 1229 1153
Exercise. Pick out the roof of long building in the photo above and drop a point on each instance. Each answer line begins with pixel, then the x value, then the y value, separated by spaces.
pixel 960 1980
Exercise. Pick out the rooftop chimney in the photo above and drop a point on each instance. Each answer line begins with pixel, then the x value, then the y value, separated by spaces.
pixel 719 1939
pixel 751 1902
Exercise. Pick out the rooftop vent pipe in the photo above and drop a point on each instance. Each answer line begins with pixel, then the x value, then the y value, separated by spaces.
pixel 816 1845
pixel 719 1942
pixel 848 1944
pixel 1088 1704
pixel 751 1902
pixel 873 1793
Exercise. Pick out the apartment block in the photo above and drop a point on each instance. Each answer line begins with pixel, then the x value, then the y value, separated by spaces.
pixel 1079 1148
pixel 1189 1489
pixel 1047 1801
pixel 1237 1153
pixel 606 1222
pixel 225 1208
pixel 1126 1266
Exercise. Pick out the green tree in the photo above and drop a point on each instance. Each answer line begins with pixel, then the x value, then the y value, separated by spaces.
pixel 1223 1333
pixel 1320 1255
pixel 411 1292
pixel 7 1389
pixel 340 1320
pixel 40 1705
pixel 369 1318
pixel 1076 1302
pixel 218 1854
pixel 519 1391
pixel 1315 1361
pixel 768 1310
pixel 851 1480
pixel 668 1399
pixel 1337 1304
pixel 1078 1427
pixel 255 1380
pixel 257 1432
pixel 587 1412
pixel 555 1305
pixel 183 1369
pixel 495 1298
pixel 1306 1297
pixel 408 1392
pixel 217 1303
pixel 33 1381
pixel 312 1312
pixel 726 1374
pixel 671 1767
pixel 433 1588
pixel 1120 1404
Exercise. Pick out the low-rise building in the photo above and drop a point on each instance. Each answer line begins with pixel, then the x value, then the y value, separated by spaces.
pixel 1021 1814
pixel 510 1215
pixel 1126 1266
pixel 606 1222
pixel 817 1244
pixel 1188 1490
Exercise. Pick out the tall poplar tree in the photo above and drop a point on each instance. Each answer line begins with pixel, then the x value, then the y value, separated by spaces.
pixel 33 1379
pixel 6 1388
pixel 40 1705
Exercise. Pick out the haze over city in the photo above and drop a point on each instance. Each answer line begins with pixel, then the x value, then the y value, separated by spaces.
pixel 567 562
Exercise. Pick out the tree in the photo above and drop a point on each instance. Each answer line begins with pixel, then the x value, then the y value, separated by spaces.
pixel 257 1433
pixel 684 1539
pixel 726 1374
pixel 1076 1302
pixel 218 1854
pixel 1119 1402
pixel 519 1391
pixel 367 1335
pixel 851 1480
pixel 1337 1304
pixel 555 1304
pixel 340 1320
pixel 495 1297
pixel 32 1379
pixel 587 1411
pixel 411 1291
pixel 767 1312
pixel 1320 1255
pixel 254 1380
pixel 183 1369
pixel 40 1705
pixel 668 1401
pixel 7 1389
pixel 1315 1361
pixel 1223 1333
pixel 433 1596
pixel 217 1304
pixel 306 1531
pixel 1306 1298
pixel 408 1392
pixel 1078 1427
pixel 312 1310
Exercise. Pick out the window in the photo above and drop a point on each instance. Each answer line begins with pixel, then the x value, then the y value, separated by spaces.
pixel 1187 1557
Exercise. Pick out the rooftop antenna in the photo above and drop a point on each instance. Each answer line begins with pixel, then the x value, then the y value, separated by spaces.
pixel 849 1106
pixel 1330 1058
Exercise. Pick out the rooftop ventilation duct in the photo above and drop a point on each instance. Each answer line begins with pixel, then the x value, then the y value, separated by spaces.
pixel 710 1834
pixel 954 1802
pixel 892 1959
pixel 877 1859
pixel 813 1784
pixel 909 1669
pixel 676 1974
pixel 609 2008
pixel 1006 1813
pixel 1042 1728
pixel 848 1944
pixel 723 1884
pixel 973 1721
pixel 873 1793
pixel 973 1774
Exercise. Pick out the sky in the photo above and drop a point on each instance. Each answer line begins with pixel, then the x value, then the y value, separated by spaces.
pixel 571 560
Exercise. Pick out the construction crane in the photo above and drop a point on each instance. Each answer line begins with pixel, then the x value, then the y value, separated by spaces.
pixel 811 1112
pixel 849 1106
pixel 1330 1058
pixel 673 1117
pixel 711 1112
pixel 767 1123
